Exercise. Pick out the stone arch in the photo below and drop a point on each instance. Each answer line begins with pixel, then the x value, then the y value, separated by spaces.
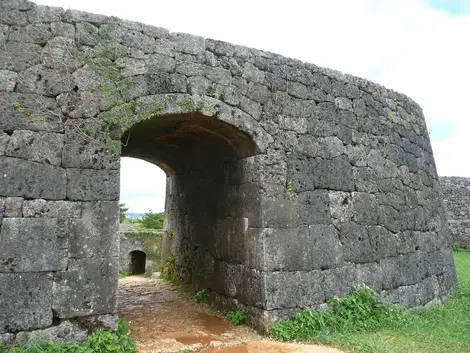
pixel 137 260
pixel 331 183
pixel 204 146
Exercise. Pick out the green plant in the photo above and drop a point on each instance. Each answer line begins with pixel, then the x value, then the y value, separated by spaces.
pixel 235 317
pixel 152 220
pixel 168 271
pixel 202 296
pixel 123 274
pixel 357 311
pixel 122 212
pixel 99 341
pixel 169 234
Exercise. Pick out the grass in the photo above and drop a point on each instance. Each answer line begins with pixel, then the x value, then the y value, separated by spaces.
pixel 100 341
pixel 439 329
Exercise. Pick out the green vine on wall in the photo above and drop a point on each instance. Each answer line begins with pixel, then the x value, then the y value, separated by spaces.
pixel 121 115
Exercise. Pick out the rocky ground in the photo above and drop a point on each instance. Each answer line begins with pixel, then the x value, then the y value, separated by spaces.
pixel 163 319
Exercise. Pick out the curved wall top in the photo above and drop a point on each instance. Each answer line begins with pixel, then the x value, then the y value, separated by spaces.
pixel 315 181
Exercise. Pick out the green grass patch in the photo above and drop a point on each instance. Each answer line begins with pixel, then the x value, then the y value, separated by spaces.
pixel 439 329
pixel 99 341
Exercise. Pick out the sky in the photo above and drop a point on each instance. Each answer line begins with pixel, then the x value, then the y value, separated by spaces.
pixel 417 47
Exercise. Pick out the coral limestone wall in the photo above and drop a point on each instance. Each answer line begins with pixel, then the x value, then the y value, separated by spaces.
pixel 456 194
pixel 288 183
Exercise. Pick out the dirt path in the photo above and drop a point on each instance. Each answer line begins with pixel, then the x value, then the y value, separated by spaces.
pixel 165 320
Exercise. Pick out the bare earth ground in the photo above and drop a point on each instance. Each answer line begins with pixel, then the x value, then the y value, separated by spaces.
pixel 165 320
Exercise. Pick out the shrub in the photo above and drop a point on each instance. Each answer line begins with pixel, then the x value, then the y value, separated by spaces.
pixel 122 212
pixel 152 220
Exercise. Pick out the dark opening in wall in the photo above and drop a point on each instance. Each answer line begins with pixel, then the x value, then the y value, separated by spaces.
pixel 137 262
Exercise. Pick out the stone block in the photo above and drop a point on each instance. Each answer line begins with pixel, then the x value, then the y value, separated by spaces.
pixel 45 81
pixel 314 207
pixel 83 153
pixel 13 207
pixel 38 33
pixel 356 243
pixel 8 80
pixel 302 249
pixel 339 281
pixel 28 301
pixel 52 209
pixel 333 174
pixel 293 289
pixel 187 43
pixel 33 244
pixel 88 287
pixel 31 179
pixel 17 56
pixel 91 184
pixel 40 147
pixel 29 112
pixel 66 331
pixel 95 234
pixel 45 14
pixel 365 208
pixel 4 138
pixel 279 211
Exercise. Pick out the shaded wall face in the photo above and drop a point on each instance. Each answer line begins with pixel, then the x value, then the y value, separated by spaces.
pixel 208 217
pixel 456 195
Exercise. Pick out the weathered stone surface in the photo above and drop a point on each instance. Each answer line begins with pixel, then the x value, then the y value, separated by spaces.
pixel 7 339
pixel 29 298
pixel 8 80
pixel 456 194
pixel 95 233
pixel 25 55
pixel 30 112
pixel 13 207
pixel 74 291
pixel 323 252
pixel 45 81
pixel 4 138
pixel 27 179
pixel 36 146
pixel 52 209
pixel 33 244
pixel 66 331
pixel 90 184
pixel 304 288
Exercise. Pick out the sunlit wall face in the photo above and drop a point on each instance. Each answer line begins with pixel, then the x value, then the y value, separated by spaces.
pixel 142 186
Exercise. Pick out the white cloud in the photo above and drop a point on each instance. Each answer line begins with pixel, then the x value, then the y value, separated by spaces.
pixel 403 44
pixel 142 185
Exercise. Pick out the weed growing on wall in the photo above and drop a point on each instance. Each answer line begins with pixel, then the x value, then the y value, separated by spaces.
pixel 235 317
pixel 202 296
pixel 99 341
pixel 357 311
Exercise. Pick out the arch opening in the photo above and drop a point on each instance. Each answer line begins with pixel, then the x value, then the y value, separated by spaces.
pixel 137 260
pixel 205 161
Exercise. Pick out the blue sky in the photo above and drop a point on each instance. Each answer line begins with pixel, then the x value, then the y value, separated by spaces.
pixel 453 7
pixel 417 47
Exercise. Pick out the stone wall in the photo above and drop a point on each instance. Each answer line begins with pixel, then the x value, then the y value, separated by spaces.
pixel 148 241
pixel 456 194
pixel 287 183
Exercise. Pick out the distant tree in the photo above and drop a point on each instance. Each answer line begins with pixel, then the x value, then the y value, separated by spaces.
pixel 122 211
pixel 152 220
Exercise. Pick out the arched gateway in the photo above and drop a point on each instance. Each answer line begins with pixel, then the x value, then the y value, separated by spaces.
pixel 287 183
